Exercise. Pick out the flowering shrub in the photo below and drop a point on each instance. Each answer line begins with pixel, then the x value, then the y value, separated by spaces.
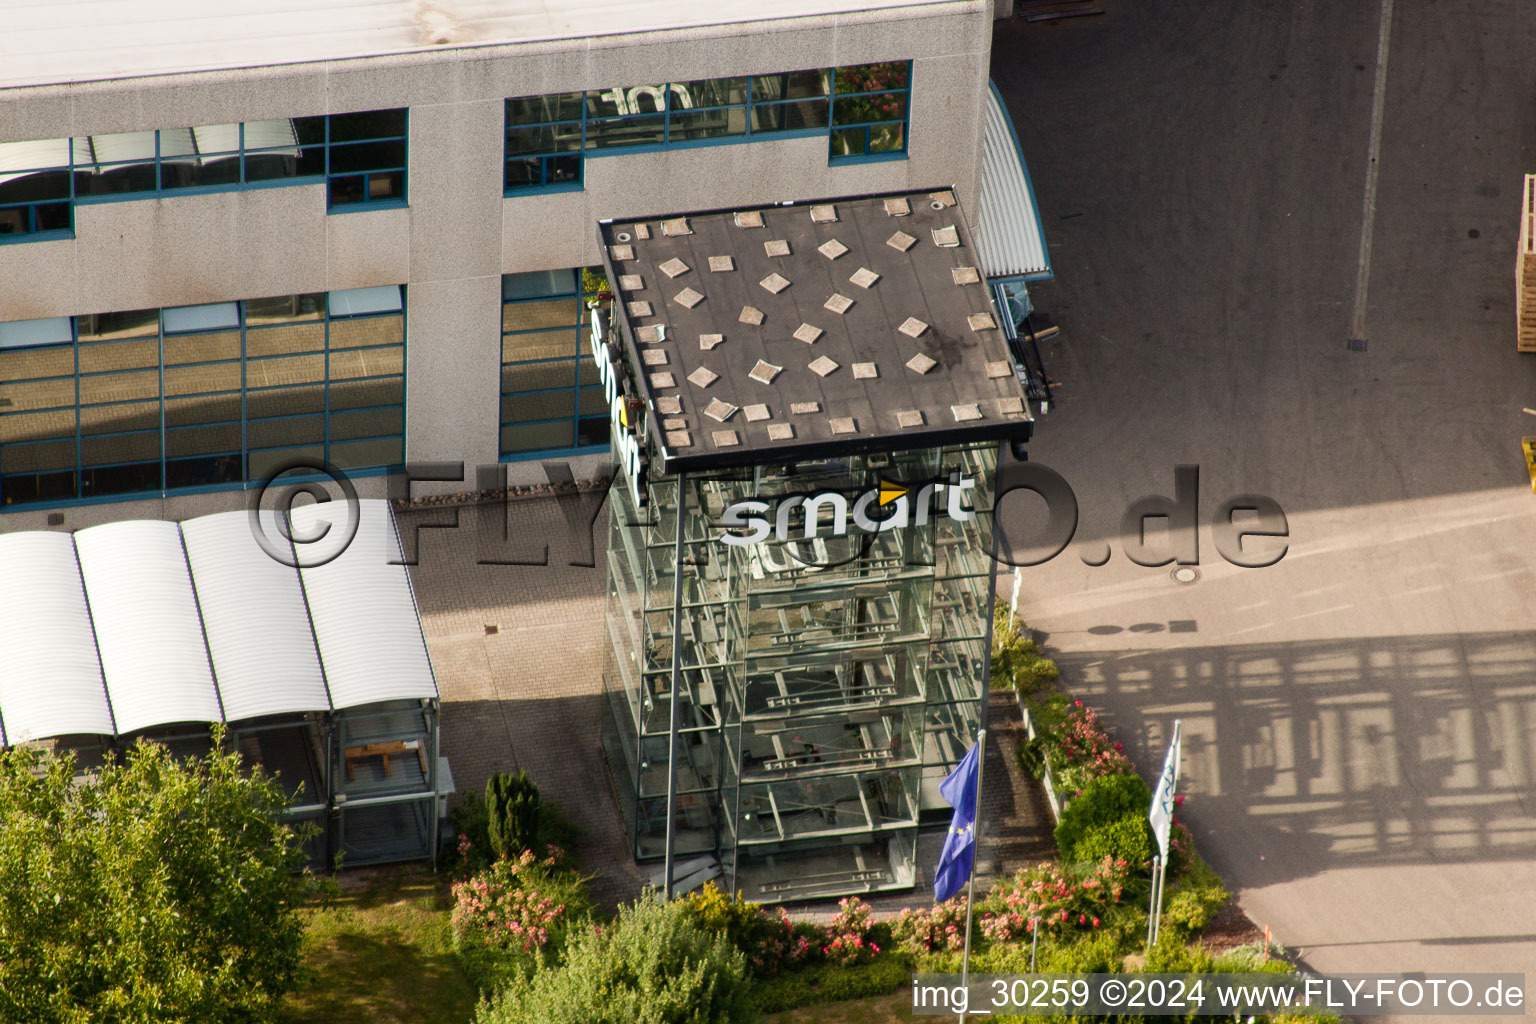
pixel 514 916
pixel 1063 898
pixel 848 940
pixel 1081 751
pixel 929 930
pixel 768 938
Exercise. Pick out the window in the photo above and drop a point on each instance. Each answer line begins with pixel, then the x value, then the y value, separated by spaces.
pixel 544 141
pixel 210 157
pixel 365 157
pixel 550 398
pixel 862 108
pixel 361 157
pixel 36 190
pixel 869 109
pixel 200 396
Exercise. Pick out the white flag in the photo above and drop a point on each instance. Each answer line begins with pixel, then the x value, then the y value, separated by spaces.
pixel 1161 815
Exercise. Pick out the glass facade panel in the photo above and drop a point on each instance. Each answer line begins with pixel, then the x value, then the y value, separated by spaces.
pixel 536 436
pixel 367 362
pixel 535 345
pixel 32 363
pixel 543 314
pixel 37 426
pixel 357 394
pixel 869 109
pixel 202 348
pixel 273 341
pixel 38 394
pixel 153 409
pixel 285 309
pixel 114 419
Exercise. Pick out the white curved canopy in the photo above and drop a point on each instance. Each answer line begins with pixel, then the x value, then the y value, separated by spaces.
pixel 259 637
pixel 148 630
pixel 131 625
pixel 364 610
pixel 50 679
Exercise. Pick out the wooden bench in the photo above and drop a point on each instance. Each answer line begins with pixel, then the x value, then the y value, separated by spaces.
pixel 385 750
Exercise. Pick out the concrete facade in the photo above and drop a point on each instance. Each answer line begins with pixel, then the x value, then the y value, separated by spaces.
pixel 459 234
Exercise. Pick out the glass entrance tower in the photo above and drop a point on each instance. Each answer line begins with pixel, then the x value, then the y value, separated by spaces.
pixel 831 640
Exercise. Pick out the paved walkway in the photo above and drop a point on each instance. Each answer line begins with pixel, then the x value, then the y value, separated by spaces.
pixel 1360 720
pixel 518 653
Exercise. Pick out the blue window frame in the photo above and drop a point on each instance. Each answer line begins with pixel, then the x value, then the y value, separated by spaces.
pixel 862 108
pixel 199 397
pixel 365 157
pixel 544 141
pixel 37 190
pixel 870 110
pixel 551 402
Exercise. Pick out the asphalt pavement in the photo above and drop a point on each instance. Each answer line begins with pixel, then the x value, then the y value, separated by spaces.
pixel 1360 718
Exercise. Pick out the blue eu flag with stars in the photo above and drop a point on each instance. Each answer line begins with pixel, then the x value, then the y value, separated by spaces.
pixel 960 845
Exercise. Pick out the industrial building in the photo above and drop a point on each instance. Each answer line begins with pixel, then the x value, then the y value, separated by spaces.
pixel 356 232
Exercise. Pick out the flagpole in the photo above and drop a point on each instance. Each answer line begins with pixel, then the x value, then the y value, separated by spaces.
pixel 970 885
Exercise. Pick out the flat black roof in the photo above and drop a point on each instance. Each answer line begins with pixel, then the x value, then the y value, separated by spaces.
pixel 800 330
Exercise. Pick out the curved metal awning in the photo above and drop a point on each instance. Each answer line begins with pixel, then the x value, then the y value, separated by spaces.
pixel 1008 232
pixel 259 637
pixel 148 630
pixel 50 678
pixel 131 625
pixel 366 622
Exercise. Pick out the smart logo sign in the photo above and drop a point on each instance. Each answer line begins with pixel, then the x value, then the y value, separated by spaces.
pixel 610 375
pixel 883 507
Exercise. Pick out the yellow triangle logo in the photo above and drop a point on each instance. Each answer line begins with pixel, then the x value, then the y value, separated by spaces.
pixel 889 491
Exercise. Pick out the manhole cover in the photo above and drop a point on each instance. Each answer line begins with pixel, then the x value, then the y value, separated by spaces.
pixel 1185 574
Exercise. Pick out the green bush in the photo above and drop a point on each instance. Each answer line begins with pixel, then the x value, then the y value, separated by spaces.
pixel 650 964
pixel 1193 901
pixel 1129 839
pixel 1095 953
pixel 1016 660
pixel 1103 801
pixel 1172 955
pixel 833 983
pixel 512 813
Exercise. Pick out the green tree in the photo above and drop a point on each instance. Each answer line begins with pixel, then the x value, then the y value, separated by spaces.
pixel 152 890
pixel 512 809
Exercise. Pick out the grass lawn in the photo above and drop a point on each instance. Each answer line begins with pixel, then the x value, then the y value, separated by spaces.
pixel 379 952
pixel 892 1009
